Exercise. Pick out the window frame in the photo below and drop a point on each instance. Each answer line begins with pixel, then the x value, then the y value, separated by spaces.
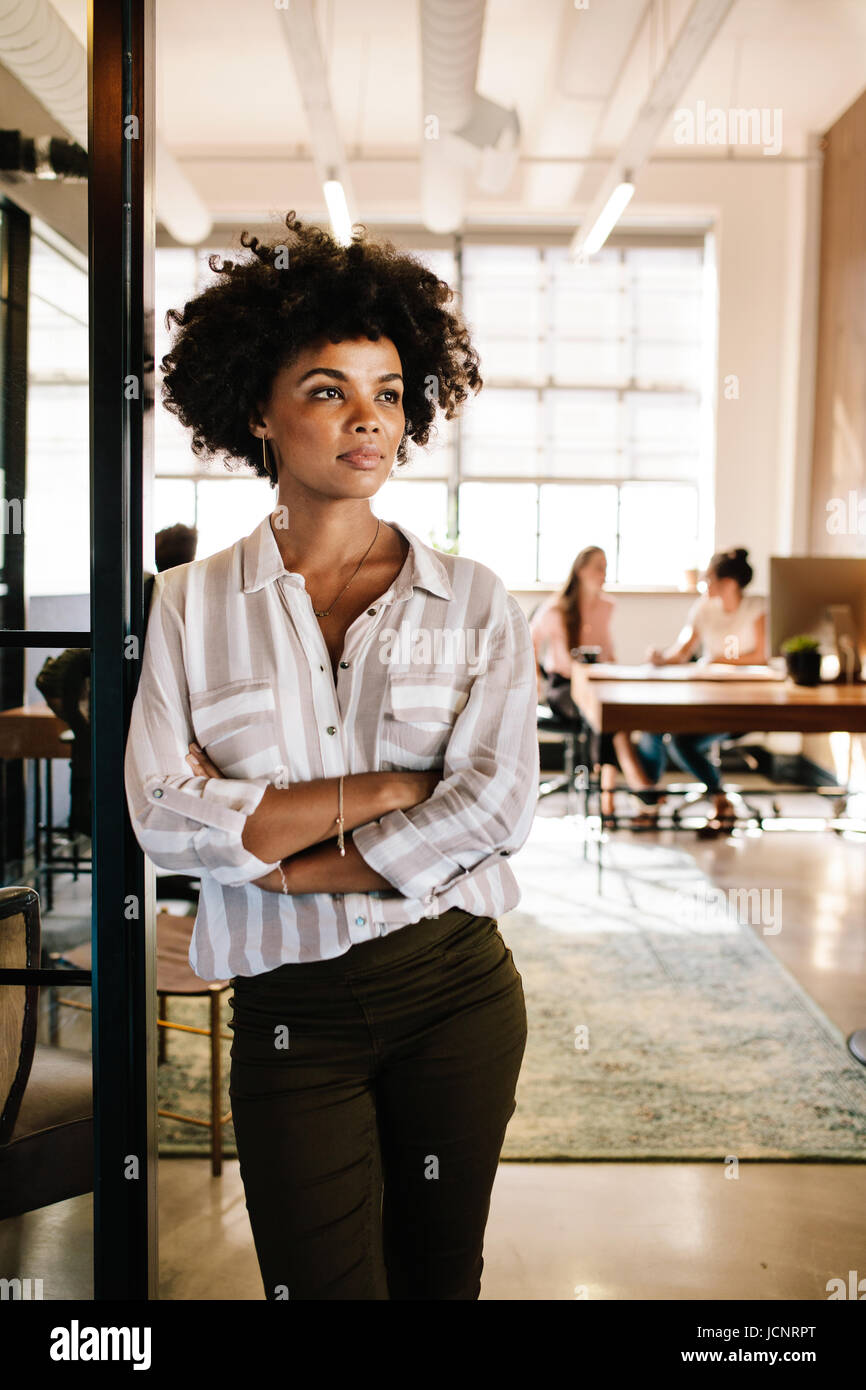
pixel 455 473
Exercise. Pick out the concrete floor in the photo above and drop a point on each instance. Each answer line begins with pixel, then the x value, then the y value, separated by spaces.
pixel 626 1231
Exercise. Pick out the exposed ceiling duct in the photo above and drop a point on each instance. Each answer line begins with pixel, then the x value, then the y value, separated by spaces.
pixel 311 74
pixel 46 57
pixel 699 28
pixel 465 136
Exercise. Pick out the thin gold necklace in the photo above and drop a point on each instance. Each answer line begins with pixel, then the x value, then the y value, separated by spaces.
pixel 323 612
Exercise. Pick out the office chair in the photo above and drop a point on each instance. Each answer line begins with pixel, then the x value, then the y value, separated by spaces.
pixel 576 751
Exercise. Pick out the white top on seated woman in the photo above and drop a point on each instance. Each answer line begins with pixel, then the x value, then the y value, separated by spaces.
pixel 730 625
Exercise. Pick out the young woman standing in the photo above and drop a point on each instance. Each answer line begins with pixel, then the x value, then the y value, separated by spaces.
pixel 348 798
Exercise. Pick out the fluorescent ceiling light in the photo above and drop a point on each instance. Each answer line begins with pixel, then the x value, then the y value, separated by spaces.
pixel 607 218
pixel 338 211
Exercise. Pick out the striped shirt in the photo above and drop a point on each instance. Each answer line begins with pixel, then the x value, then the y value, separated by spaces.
pixel 438 673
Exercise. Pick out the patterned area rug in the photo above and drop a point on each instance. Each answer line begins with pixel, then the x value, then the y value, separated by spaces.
pixel 661 1026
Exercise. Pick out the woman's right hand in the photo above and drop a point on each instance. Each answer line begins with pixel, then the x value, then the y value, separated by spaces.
pixel 656 657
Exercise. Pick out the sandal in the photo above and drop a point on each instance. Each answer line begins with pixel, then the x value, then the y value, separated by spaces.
pixel 719 824
pixel 713 829
pixel 644 820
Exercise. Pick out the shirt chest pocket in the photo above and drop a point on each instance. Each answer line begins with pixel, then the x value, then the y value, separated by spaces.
pixel 236 726
pixel 420 711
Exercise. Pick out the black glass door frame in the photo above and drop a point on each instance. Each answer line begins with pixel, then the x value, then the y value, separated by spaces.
pixel 121 114
pixel 121 240
pixel 14 308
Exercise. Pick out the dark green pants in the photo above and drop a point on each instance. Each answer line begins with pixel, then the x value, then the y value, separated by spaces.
pixel 370 1097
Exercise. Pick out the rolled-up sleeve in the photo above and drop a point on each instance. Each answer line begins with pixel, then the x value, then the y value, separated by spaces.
pixel 485 804
pixel 184 823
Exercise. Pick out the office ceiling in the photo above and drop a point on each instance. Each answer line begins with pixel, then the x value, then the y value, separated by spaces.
pixel 229 106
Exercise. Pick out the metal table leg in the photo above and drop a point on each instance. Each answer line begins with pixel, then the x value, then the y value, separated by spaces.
pixel 570 757
pixel 37 815
pixel 4 812
pixel 599 864
pixel 49 832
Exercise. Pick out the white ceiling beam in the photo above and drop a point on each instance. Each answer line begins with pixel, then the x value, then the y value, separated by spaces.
pixel 697 32
pixel 298 23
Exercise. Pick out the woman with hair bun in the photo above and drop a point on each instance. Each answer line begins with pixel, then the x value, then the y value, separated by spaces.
pixel 731 627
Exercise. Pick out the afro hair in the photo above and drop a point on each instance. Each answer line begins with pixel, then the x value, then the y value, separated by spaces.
pixel 264 311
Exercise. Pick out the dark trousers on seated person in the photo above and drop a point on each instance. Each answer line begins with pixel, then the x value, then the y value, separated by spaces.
pixel 686 751
pixel 560 700
pixel 369 1145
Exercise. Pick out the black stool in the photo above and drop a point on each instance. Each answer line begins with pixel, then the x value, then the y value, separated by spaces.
pixel 575 749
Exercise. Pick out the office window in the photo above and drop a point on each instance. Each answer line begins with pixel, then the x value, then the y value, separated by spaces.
pixel 567 513
pixel 588 321
pixel 590 428
pixel 174 503
pixel 227 510
pixel 422 507
pixel 593 375
pixel 498 525
pixel 657 522
pixel 57 553
pixel 500 431
pixel 503 303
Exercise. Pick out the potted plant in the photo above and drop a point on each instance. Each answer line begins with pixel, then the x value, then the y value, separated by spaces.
pixel 803 659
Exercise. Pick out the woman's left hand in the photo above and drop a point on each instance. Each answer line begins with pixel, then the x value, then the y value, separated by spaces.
pixel 201 763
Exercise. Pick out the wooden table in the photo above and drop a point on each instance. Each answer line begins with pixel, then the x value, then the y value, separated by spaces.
pixel 35 731
pixel 679 700
pixel 659 704
pixel 32 731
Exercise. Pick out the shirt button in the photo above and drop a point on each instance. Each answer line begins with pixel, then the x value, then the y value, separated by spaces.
pixel 158 791
pixel 330 729
pixel 338 897
pixel 344 664
pixel 360 921
pixel 321 668
pixel 370 612
pixel 505 852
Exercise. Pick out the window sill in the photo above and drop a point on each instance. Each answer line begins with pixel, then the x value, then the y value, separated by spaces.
pixel 614 590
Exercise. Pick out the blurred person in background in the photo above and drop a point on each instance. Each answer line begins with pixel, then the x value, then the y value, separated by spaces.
pixel 580 615
pixel 64 681
pixel 175 545
pixel 730 626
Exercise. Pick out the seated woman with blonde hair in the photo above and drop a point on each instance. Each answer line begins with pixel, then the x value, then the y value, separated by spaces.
pixel 579 615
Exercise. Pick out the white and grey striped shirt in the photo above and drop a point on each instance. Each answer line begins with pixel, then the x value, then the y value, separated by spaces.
pixel 438 673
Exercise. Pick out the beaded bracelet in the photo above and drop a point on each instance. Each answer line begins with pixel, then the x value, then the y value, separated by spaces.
pixel 339 822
